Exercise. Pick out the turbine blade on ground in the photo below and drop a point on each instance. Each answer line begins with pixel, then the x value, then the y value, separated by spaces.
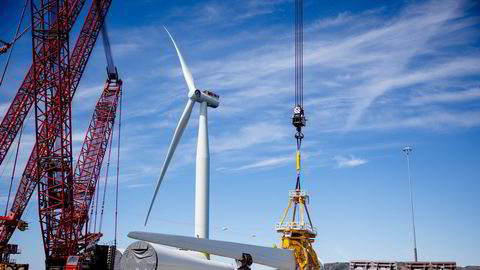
pixel 186 71
pixel 182 123
pixel 283 259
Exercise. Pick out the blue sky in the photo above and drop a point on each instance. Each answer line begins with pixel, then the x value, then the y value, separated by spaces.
pixel 378 75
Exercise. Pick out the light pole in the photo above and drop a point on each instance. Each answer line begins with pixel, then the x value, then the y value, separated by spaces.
pixel 408 150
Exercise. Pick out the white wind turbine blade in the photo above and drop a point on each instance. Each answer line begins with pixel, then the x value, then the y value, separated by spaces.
pixel 186 71
pixel 173 145
pixel 278 258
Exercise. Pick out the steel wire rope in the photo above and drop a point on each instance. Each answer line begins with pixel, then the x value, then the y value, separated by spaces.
pixel 97 185
pixel 6 164
pixel 14 41
pixel 29 116
pixel 106 179
pixel 93 206
pixel 96 209
pixel 14 167
pixel 105 188
pixel 118 167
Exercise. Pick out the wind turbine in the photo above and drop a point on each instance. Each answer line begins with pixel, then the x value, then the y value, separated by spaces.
pixel 244 254
pixel 202 172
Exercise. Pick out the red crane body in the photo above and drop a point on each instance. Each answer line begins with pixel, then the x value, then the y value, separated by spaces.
pixel 24 99
pixel 50 164
pixel 87 170
pixel 53 126
pixel 11 123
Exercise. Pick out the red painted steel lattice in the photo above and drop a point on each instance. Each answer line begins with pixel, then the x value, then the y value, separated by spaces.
pixel 53 126
pixel 24 99
pixel 89 164
pixel 9 127
pixel 50 84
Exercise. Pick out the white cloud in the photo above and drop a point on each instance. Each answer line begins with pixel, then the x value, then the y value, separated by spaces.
pixel 434 120
pixel 348 71
pixel 125 48
pixel 3 108
pixel 367 72
pixel 248 136
pixel 140 185
pixel 398 45
pixel 267 163
pixel 349 162
pixel 227 12
pixel 446 97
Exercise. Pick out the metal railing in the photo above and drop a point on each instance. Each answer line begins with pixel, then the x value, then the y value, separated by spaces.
pixel 295 226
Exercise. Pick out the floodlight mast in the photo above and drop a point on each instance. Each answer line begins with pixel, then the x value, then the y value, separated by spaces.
pixel 408 150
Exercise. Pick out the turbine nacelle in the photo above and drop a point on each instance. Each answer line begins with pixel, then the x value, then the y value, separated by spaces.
pixel 212 99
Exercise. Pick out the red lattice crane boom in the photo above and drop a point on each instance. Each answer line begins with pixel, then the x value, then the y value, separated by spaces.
pixel 89 164
pixel 54 156
pixel 59 241
pixel 53 126
pixel 24 99
pixel 11 123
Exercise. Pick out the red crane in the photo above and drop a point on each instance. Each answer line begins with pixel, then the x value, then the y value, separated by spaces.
pixel 11 124
pixel 63 197
pixel 87 170
pixel 53 126
pixel 24 99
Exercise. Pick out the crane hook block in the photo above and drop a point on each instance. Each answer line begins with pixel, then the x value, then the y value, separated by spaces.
pixel 298 118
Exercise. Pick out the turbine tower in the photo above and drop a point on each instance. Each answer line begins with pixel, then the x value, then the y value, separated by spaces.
pixel 202 172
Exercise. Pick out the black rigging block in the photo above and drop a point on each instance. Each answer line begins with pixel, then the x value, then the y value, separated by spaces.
pixel 298 118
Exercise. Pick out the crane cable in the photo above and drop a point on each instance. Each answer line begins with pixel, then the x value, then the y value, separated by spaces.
pixel 29 116
pixel 106 178
pixel 299 53
pixel 117 171
pixel 11 153
pixel 96 209
pixel 12 44
pixel 14 167
pixel 118 168
pixel 298 119
pixel 94 204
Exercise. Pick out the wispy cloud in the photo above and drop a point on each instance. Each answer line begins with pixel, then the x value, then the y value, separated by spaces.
pixel 137 185
pixel 349 162
pixel 375 76
pixel 227 12
pixel 364 72
pixel 405 39
pixel 446 97
pixel 3 108
pixel 348 71
pixel 267 163
pixel 248 136
pixel 125 48
pixel 434 121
